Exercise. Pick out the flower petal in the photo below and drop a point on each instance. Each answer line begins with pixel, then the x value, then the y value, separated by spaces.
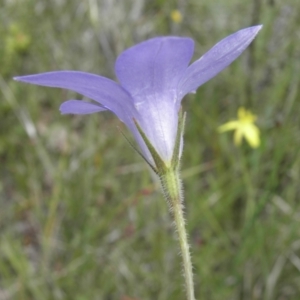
pixel 154 66
pixel 231 125
pixel 159 122
pixel 237 137
pixel 103 90
pixel 251 133
pixel 79 107
pixel 216 59
pixel 150 72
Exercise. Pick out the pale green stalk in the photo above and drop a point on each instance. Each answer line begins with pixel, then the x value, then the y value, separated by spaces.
pixel 172 190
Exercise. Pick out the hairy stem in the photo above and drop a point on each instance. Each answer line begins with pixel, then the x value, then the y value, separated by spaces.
pixel 172 190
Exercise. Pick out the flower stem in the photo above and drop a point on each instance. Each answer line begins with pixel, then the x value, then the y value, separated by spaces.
pixel 171 185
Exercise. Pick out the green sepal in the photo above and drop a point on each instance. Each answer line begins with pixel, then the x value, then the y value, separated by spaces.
pixel 159 163
pixel 181 123
pixel 138 151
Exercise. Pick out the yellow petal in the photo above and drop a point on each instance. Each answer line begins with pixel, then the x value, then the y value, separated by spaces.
pixel 252 135
pixel 231 125
pixel 246 116
pixel 238 135
pixel 242 113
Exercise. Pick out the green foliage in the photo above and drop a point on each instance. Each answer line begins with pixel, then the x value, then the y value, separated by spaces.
pixel 81 217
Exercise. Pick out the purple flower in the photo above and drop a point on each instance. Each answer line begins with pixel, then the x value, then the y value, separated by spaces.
pixel 154 76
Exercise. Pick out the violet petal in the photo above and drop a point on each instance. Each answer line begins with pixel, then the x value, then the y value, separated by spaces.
pixel 103 90
pixel 154 66
pixel 216 59
pixel 150 72
pixel 79 107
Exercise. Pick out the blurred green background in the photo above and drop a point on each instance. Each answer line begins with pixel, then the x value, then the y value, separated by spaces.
pixel 82 218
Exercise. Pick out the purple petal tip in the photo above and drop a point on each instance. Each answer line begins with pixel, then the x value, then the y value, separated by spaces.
pixel 256 28
pixel 21 78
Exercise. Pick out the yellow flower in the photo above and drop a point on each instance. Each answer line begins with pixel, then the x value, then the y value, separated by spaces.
pixel 176 16
pixel 244 127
